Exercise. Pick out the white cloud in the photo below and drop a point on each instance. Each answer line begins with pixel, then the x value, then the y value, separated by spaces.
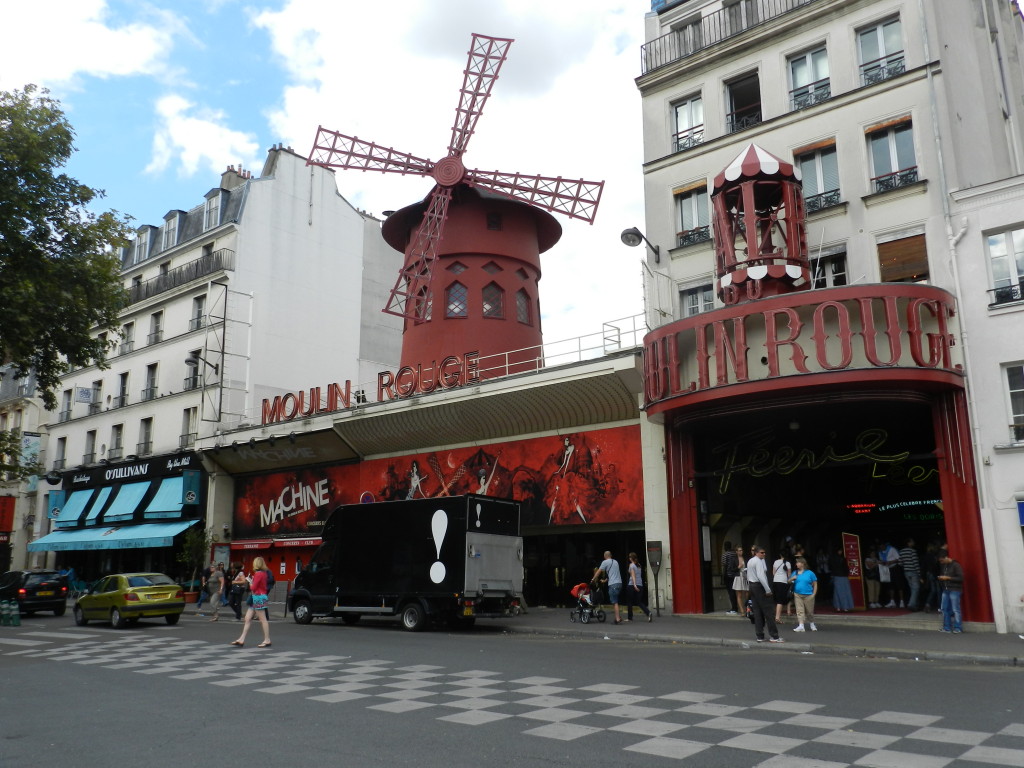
pixel 197 139
pixel 72 38
pixel 565 104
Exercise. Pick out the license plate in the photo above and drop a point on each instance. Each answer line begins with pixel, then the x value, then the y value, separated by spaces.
pixel 158 597
pixel 467 611
pixel 45 593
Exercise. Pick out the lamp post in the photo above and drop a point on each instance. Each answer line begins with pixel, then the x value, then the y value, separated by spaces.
pixel 633 237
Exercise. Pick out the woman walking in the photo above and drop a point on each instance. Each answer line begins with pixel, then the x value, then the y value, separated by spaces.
pixel 805 587
pixel 257 603
pixel 740 583
pixel 635 589
pixel 215 586
pixel 239 583
pixel 781 570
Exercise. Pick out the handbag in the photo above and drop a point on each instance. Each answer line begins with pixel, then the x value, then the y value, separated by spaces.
pixel 883 573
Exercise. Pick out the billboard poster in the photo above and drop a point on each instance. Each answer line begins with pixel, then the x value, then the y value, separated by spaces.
pixel 851 551
pixel 577 478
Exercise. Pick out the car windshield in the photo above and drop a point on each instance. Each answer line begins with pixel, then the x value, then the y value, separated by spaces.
pixel 149 580
pixel 35 579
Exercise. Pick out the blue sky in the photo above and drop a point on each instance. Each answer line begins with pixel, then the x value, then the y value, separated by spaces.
pixel 164 95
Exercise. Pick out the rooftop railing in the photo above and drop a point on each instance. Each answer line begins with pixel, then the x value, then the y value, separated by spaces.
pixel 224 259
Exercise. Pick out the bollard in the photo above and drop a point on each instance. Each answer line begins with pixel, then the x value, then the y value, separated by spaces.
pixel 5 613
pixel 15 614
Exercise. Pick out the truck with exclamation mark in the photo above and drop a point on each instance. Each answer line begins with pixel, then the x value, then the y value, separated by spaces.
pixel 447 560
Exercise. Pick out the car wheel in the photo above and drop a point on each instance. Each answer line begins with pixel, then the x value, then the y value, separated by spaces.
pixel 302 612
pixel 351 618
pixel 80 619
pixel 414 618
pixel 60 611
pixel 117 621
pixel 172 618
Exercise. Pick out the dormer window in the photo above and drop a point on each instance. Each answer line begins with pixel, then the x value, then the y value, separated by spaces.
pixel 170 231
pixel 211 216
pixel 141 245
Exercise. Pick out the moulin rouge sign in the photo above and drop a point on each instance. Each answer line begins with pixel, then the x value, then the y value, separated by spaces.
pixel 453 371
pixel 892 326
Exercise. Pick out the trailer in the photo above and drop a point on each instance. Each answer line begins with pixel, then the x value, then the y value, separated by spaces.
pixel 451 559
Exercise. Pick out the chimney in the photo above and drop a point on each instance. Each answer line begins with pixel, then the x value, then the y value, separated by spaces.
pixel 233 177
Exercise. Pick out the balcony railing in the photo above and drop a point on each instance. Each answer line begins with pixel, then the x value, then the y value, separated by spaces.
pixel 711 30
pixel 59 464
pixel 224 259
pixel 126 347
pixel 743 118
pixel 144 448
pixel 824 200
pixel 895 180
pixel 64 416
pixel 694 236
pixel 809 95
pixel 115 452
pixel 89 458
pixel 187 440
pixel 197 323
pixel 149 393
pixel 155 337
pixel 192 382
pixel 1006 294
pixel 688 138
pixel 882 69
pixel 120 401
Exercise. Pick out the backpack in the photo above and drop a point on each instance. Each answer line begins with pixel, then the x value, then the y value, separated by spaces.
pixel 270 580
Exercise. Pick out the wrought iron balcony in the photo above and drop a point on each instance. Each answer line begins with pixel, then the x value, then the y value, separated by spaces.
pixel 743 118
pixel 710 30
pixel 149 393
pixel 95 406
pixel 115 452
pixel 882 69
pixel 59 464
pixel 155 337
pixel 688 138
pixel 224 259
pixel 192 382
pixel 144 448
pixel 809 95
pixel 89 458
pixel 824 200
pixel 197 323
pixel 895 180
pixel 187 440
pixel 64 416
pixel 120 401
pixel 1006 294
pixel 126 347
pixel 694 236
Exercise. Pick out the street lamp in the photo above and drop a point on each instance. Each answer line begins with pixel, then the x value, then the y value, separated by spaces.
pixel 633 237
pixel 193 360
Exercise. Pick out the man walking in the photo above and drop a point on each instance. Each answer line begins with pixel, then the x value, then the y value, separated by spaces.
pixel 911 564
pixel 611 570
pixel 761 597
pixel 951 577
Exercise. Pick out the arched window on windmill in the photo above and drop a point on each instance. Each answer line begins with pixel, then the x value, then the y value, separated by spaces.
pixel 494 300
pixel 523 306
pixel 456 300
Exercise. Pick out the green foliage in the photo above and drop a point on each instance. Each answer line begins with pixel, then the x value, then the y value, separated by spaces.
pixel 59 272
pixel 195 548
pixel 12 462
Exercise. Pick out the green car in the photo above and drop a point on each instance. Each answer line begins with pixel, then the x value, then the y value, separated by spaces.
pixel 128 597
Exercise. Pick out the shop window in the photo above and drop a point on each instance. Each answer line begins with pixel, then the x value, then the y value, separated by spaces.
pixel 1015 385
pixel 820 172
pixel 881 51
pixel 694 301
pixel 829 271
pixel 493 300
pixel 689 121
pixel 891 153
pixel 904 260
pixel 456 300
pixel 523 306
pixel 808 76
pixel 744 99
pixel 1006 255
pixel 694 216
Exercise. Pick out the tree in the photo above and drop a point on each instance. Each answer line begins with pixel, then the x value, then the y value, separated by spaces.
pixel 59 271
pixel 195 549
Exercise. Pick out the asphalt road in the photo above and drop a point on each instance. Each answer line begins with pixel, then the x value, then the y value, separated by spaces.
pixel 374 695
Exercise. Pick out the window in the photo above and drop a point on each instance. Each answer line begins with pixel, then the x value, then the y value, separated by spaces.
pixel 491 268
pixel 808 73
pixel 689 115
pixel 122 391
pixel 881 52
pixel 198 313
pixel 1015 383
pixel 96 397
pixel 171 232
pixel 828 271
pixel 744 100
pixel 189 419
pixel 156 328
pixel 127 338
pixel 193 380
pixel 165 268
pixel 456 300
pixel 740 15
pixel 494 300
pixel 694 216
pixel 116 449
pixel 904 260
pixel 212 214
pixel 820 172
pixel 1006 254
pixel 207 250
pixel 89 457
pixel 149 392
pixel 65 407
pixel 523 306
pixel 457 268
pixel 145 445
pixel 60 459
pixel 424 303
pixel 693 301
pixel 141 245
pixel 893 163
pixel 494 223
pixel 689 35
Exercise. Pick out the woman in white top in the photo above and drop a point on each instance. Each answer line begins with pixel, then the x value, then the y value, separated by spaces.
pixel 780 585
pixel 739 583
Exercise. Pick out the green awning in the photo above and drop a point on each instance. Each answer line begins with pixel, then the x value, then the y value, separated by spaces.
pixel 73 508
pixel 123 537
pixel 167 502
pixel 97 506
pixel 128 498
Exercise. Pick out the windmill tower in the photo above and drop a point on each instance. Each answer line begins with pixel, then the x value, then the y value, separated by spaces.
pixel 472 246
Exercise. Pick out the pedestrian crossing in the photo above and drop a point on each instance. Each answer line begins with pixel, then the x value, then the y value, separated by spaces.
pixel 681 725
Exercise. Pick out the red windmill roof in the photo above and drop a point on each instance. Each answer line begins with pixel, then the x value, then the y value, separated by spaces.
pixel 755 162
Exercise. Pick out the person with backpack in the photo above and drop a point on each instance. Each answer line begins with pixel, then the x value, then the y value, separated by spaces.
pixel 257 603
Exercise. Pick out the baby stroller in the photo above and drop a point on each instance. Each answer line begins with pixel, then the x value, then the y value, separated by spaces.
pixel 585 607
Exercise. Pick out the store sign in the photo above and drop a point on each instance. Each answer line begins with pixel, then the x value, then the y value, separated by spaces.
pixel 454 371
pixel 811 332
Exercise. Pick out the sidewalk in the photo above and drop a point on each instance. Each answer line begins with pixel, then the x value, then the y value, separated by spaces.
pixel 914 636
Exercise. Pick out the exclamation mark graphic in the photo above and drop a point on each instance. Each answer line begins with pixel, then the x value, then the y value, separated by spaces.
pixel 477 515
pixel 439 527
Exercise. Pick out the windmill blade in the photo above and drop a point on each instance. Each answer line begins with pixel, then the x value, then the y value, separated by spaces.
pixel 486 55
pixel 410 298
pixel 336 150
pixel 577 199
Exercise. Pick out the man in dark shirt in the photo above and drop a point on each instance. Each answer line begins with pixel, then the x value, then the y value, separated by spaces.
pixel 730 565
pixel 911 573
pixel 951 578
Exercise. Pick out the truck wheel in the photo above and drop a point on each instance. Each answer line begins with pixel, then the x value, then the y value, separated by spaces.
pixel 414 618
pixel 351 618
pixel 302 612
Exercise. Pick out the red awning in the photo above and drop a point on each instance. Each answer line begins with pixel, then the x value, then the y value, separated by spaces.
pixel 252 544
pixel 312 542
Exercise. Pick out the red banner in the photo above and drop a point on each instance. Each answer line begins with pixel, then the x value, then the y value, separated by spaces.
pixel 7 513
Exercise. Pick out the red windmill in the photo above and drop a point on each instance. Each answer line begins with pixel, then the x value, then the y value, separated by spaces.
pixel 472 258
